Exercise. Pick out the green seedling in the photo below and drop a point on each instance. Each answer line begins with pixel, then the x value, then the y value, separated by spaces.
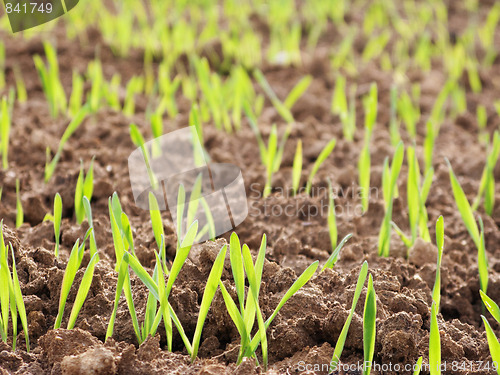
pixel 327 150
pixel 19 207
pixel 271 150
pixel 409 113
pixel 157 223
pixel 473 75
pixel 364 163
pixel 375 46
pixel 297 168
pixel 10 296
pixel 393 122
pixel 252 120
pixel 244 317
pixel 96 77
pixel 389 185
pixel 57 222
pixel 332 221
pixel 123 283
pixel 160 291
pixel 436 290
pixel 167 89
pixel 50 166
pixel 134 86
pixel 493 343
pixel 487 184
pixel 418 366
pixel 467 214
pixel 339 347
pixel 138 141
pixel 76 97
pixel 369 326
pixel 416 196
pixel 486 34
pixel 83 290
pixel 88 215
pixel 84 188
pixel 22 94
pixel 332 259
pixel 51 83
pixel 280 107
pixel 5 125
pixel 434 343
pixel 112 91
pixel 339 99
pixel 74 262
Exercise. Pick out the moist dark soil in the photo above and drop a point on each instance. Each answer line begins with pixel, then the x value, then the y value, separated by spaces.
pixel 306 329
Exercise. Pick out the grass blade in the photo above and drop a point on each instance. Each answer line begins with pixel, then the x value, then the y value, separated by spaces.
pixel 339 347
pixel 208 296
pixel 434 344
pixel 321 158
pixel 369 326
pixel 83 291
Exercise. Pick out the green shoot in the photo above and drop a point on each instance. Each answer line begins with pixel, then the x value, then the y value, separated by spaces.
pixel 418 366
pixel 340 108
pixel 332 259
pixel 96 77
pixel 464 207
pixel 19 207
pixel 88 214
pixel 10 296
pixel 244 317
pixel 298 90
pixel 134 86
pixel 416 196
pixel 138 141
pixel 409 113
pixel 332 222
pixel 364 162
pixel 487 184
pixel 206 301
pixel 272 145
pixel 72 127
pixel 470 223
pixel 83 291
pixel 393 122
pixel 434 344
pixel 5 125
pixel 297 168
pixel 339 347
pixel 19 302
pixel 369 326
pixel 283 110
pixel 482 260
pixel 51 83
pixel 84 188
pixel 75 100
pixel 123 284
pixel 57 222
pixel 436 290
pixel 74 262
pixel 157 223
pixel 389 185
pixel 327 150
pixel 493 343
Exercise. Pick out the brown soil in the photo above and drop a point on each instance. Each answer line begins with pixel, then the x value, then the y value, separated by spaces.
pixel 306 329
